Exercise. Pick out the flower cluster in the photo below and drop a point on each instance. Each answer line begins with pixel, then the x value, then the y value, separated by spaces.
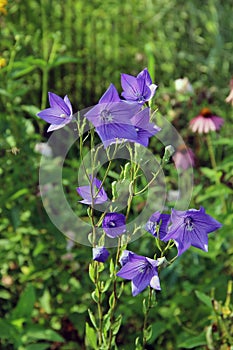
pixel 186 228
pixel 124 119
pixel 113 118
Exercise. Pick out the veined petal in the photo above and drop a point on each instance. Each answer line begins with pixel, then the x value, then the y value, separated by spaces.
pixel 199 240
pixel 129 85
pixel 56 101
pixel 109 133
pixel 67 102
pixel 155 220
pixel 131 269
pixel 182 246
pixel 141 281
pixel 85 192
pixel 142 118
pixel 144 89
pixel 123 111
pixel 146 76
pixel 111 95
pixel 50 116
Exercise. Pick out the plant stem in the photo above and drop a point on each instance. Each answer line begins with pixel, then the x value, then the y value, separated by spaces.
pixel 45 50
pixel 211 151
pixel 115 296
pixel 99 304
pixel 146 317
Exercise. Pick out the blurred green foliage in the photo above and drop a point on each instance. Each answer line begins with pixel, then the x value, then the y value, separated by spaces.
pixel 78 48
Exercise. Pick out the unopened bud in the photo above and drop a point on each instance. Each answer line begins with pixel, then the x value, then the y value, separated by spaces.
pixel 169 151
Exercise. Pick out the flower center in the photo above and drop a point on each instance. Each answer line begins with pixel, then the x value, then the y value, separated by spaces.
pixel 189 223
pixel 140 98
pixel 206 112
pixel 112 224
pixel 63 115
pixel 106 116
pixel 145 268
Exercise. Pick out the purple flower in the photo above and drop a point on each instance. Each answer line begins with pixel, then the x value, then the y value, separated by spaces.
pixel 183 158
pixel 100 254
pixel 124 258
pixel 152 225
pixel 143 127
pixel 59 114
pixel 191 227
pixel 114 224
pixel 97 192
pixel 141 271
pixel 111 117
pixel 138 89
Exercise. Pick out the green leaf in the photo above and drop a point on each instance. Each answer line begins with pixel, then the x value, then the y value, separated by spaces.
pixel 204 298
pixel 92 318
pixel 64 60
pixel 94 296
pixel 92 272
pixel 91 337
pixel 106 285
pixel 116 325
pixel 42 346
pixel 25 304
pixel 36 332
pixel 158 328
pixel 193 342
pixel 127 171
pixel 18 73
pixel 211 173
pixel 111 268
pixel 106 322
pixel 148 332
pixel 4 294
pixel 30 109
pixel 111 300
pixel 9 332
pixel 114 190
pixel 138 345
pixel 19 193
pixel 45 301
pixel 144 306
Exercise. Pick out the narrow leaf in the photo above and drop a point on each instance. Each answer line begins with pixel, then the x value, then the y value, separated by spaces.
pixel 91 337
pixel 204 298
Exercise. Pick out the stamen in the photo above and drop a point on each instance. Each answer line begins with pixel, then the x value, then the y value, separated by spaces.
pixel 112 223
pixel 189 223
pixel 106 116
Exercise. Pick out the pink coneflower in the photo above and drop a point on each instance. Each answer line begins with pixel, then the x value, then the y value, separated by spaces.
pixel 206 122
pixel 229 98
pixel 183 157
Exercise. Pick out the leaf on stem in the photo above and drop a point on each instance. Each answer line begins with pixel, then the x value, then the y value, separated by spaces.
pixel 91 337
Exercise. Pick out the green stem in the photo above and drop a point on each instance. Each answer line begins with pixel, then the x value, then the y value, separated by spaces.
pixel 150 182
pixel 99 304
pixel 211 151
pixel 115 296
pixel 146 317
pixel 45 78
